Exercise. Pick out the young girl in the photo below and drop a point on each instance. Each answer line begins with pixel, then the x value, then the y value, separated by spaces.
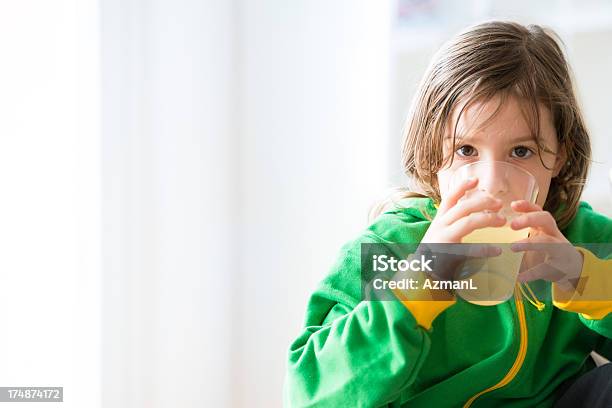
pixel 497 92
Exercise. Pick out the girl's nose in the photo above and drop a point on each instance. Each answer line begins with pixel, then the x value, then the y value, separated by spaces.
pixel 493 179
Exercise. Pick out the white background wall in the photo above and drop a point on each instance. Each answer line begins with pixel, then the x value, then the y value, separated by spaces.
pixel 50 198
pixel 169 204
pixel 241 147
pixel 312 156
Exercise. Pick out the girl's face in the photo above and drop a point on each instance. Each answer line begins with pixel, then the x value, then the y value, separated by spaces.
pixel 505 136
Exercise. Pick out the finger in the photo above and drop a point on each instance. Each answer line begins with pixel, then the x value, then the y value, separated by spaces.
pixel 542 220
pixel 475 221
pixel 462 251
pixel 533 243
pixel 542 271
pixel 456 193
pixel 483 251
pixel 532 258
pixel 472 205
pixel 524 206
pixel 465 251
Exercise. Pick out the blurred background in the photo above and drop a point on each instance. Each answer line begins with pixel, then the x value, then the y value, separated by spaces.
pixel 178 175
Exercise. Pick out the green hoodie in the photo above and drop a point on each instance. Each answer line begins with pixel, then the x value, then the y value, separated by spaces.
pixel 451 353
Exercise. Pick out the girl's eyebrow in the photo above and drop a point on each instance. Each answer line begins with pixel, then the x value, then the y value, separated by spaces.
pixel 460 138
pixel 527 138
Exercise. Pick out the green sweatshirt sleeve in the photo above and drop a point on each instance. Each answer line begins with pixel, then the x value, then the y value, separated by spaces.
pixel 601 323
pixel 591 233
pixel 353 352
pixel 593 302
pixel 367 356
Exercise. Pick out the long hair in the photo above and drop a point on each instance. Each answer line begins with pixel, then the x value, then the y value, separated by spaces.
pixel 487 60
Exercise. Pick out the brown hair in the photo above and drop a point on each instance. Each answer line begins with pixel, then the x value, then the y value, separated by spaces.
pixel 489 59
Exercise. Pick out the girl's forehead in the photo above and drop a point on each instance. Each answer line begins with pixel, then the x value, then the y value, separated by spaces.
pixel 499 118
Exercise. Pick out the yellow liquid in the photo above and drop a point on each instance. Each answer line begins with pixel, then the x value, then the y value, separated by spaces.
pixel 495 277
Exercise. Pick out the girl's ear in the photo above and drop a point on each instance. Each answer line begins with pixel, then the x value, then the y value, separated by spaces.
pixel 560 161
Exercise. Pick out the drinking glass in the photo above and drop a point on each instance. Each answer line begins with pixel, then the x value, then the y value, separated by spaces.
pixel 495 277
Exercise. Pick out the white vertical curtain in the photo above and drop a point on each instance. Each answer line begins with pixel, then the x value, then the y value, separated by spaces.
pixel 242 142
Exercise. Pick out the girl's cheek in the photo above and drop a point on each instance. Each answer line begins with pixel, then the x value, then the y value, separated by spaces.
pixel 544 188
pixel 444 177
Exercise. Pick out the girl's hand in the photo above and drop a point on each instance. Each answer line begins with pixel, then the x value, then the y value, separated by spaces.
pixel 457 218
pixel 548 254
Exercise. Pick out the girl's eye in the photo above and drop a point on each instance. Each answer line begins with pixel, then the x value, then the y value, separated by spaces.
pixel 466 150
pixel 521 152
